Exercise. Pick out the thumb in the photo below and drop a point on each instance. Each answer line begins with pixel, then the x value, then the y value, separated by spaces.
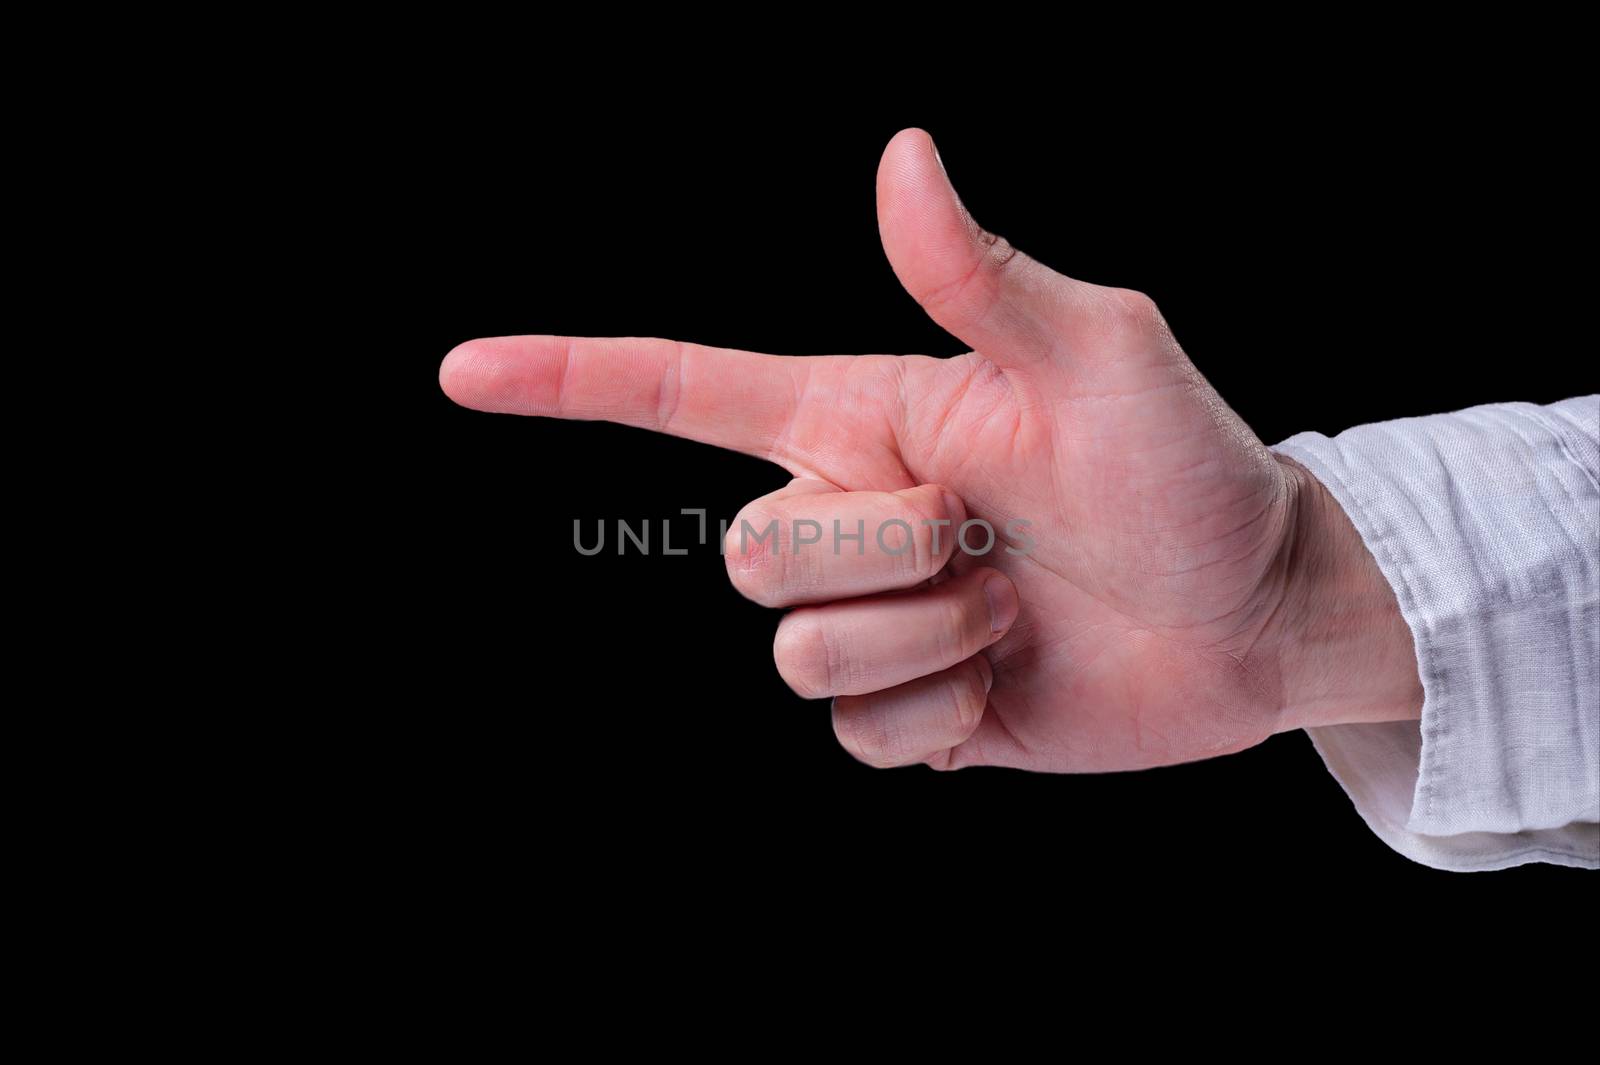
pixel 975 284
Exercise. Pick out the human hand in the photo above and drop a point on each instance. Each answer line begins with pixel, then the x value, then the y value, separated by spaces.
pixel 1184 592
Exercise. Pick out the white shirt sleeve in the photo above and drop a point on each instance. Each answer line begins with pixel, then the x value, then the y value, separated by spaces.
pixel 1486 522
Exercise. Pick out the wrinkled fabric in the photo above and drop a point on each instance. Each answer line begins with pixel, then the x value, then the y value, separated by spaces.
pixel 1486 523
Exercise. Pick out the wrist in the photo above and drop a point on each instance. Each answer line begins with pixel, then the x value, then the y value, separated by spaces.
pixel 1345 653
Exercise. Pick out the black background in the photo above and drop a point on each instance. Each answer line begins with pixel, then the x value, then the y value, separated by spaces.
pixel 612 728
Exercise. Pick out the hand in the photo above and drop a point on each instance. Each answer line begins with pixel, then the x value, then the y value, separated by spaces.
pixel 1186 592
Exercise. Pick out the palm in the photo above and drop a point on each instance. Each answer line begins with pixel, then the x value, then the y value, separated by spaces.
pixel 1157 519
pixel 1155 515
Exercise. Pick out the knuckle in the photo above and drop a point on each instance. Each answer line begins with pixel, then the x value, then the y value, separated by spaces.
pixel 756 563
pixel 1134 304
pixel 1132 313
pixel 946 635
pixel 864 735
pixel 925 507
pixel 998 252
pixel 898 543
pixel 969 698
pixel 963 625
pixel 804 656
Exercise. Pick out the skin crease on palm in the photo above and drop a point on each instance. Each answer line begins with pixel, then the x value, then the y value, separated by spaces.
pixel 1187 592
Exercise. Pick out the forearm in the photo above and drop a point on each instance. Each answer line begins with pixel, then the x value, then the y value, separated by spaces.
pixel 1482 524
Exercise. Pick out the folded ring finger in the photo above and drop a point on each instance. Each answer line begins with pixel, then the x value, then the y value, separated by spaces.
pixel 866 645
pixel 914 721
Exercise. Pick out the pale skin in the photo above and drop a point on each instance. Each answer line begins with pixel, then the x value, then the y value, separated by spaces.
pixel 1187 592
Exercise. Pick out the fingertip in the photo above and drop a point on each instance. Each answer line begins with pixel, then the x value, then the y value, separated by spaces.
pixel 912 138
pixel 909 160
pixel 927 234
pixel 454 375
pixel 498 374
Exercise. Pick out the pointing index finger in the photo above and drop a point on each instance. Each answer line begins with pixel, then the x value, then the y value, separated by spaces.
pixel 739 400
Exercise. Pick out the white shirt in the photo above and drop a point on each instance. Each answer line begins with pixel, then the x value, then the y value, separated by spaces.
pixel 1486 523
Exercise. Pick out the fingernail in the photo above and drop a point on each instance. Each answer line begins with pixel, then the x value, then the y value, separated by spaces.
pixel 936 157
pixel 1002 596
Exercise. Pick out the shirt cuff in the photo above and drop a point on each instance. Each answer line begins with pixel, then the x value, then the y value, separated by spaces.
pixel 1485 524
